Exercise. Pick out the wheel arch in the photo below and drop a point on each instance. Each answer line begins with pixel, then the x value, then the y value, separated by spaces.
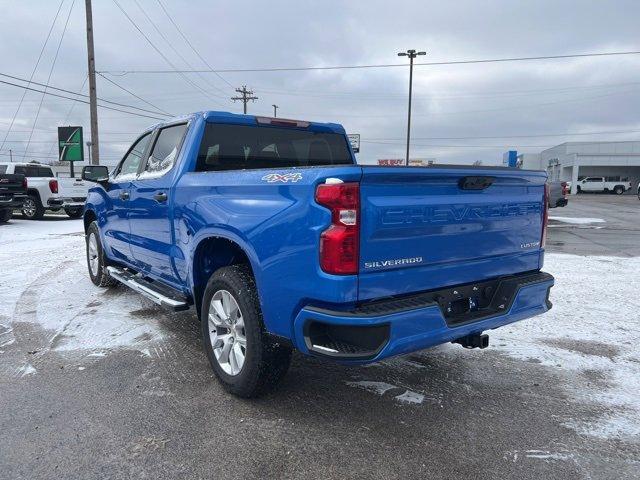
pixel 212 252
pixel 88 217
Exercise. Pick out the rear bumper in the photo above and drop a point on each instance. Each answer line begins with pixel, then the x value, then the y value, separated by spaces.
pixel 398 326
pixel 66 202
pixel 562 202
pixel 14 201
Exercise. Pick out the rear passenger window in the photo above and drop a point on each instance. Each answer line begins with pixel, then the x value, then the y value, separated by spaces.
pixel 165 150
pixel 239 147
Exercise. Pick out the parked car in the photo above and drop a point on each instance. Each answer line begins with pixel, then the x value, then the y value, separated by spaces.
pixel 603 184
pixel 558 194
pixel 13 191
pixel 46 192
pixel 280 240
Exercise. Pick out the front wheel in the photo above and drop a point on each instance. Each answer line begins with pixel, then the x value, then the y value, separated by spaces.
pixel 5 215
pixel 32 208
pixel 96 261
pixel 73 212
pixel 244 358
pixel 619 190
pixel 579 190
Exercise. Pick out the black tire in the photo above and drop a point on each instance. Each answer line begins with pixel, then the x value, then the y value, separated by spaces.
pixel 5 215
pixel 32 208
pixel 74 212
pixel 619 190
pixel 99 275
pixel 578 189
pixel 265 361
pixel 638 193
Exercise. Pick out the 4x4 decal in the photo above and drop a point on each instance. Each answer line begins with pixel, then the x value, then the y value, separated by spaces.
pixel 284 178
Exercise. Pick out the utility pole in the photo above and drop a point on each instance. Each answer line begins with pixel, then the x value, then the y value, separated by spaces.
pixel 246 96
pixel 275 110
pixel 93 100
pixel 411 54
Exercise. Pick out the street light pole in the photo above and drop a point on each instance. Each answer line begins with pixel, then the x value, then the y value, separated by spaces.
pixel 275 110
pixel 411 54
pixel 89 150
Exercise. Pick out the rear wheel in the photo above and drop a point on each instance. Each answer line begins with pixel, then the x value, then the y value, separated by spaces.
pixel 75 212
pixel 96 261
pixel 619 190
pixel 32 208
pixel 244 358
pixel 5 215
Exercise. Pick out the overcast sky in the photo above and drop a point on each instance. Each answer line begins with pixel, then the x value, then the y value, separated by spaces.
pixel 483 100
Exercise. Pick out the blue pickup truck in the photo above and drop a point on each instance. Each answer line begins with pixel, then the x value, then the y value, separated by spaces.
pixel 280 241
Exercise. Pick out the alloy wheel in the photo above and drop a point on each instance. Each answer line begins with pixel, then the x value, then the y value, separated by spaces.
pixel 92 254
pixel 29 207
pixel 227 332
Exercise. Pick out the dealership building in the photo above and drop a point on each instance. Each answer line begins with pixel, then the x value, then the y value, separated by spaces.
pixel 573 161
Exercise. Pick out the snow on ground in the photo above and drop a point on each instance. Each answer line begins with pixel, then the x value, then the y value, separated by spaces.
pixel 44 282
pixel 593 329
pixel 577 220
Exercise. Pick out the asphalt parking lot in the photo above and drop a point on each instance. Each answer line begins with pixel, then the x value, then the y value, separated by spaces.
pixel 102 384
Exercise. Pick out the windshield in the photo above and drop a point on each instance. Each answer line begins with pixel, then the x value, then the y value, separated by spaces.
pixel 239 147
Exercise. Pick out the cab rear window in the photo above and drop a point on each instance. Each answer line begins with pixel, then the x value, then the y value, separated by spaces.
pixel 33 171
pixel 240 147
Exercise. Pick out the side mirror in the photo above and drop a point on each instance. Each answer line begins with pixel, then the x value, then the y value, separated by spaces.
pixel 96 173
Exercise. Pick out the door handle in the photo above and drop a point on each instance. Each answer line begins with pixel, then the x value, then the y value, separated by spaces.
pixel 160 197
pixel 124 195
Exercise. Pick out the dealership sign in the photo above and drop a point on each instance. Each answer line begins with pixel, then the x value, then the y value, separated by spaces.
pixel 70 144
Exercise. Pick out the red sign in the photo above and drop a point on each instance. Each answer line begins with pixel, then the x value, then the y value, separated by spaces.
pixel 391 161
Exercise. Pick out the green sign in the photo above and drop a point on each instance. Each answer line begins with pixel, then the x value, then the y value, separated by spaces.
pixel 70 144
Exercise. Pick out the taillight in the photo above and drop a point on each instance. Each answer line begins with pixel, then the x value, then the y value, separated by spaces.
pixel 24 183
pixel 53 186
pixel 565 189
pixel 545 215
pixel 339 244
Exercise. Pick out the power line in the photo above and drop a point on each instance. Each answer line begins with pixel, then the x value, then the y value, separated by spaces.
pixel 517 136
pixel 33 71
pixel 191 46
pixel 174 49
pixel 53 65
pixel 51 87
pixel 79 100
pixel 164 57
pixel 382 65
pixel 136 96
pixel 321 94
pixel 456 146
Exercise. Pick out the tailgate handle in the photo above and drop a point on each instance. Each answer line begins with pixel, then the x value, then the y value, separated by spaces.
pixel 475 183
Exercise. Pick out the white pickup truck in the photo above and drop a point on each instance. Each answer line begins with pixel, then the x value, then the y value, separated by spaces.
pixel 47 192
pixel 603 184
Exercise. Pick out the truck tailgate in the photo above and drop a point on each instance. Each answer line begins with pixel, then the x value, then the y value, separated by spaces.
pixel 427 228
pixel 73 188
pixel 11 184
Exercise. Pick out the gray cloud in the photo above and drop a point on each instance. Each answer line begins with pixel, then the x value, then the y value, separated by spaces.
pixel 555 96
